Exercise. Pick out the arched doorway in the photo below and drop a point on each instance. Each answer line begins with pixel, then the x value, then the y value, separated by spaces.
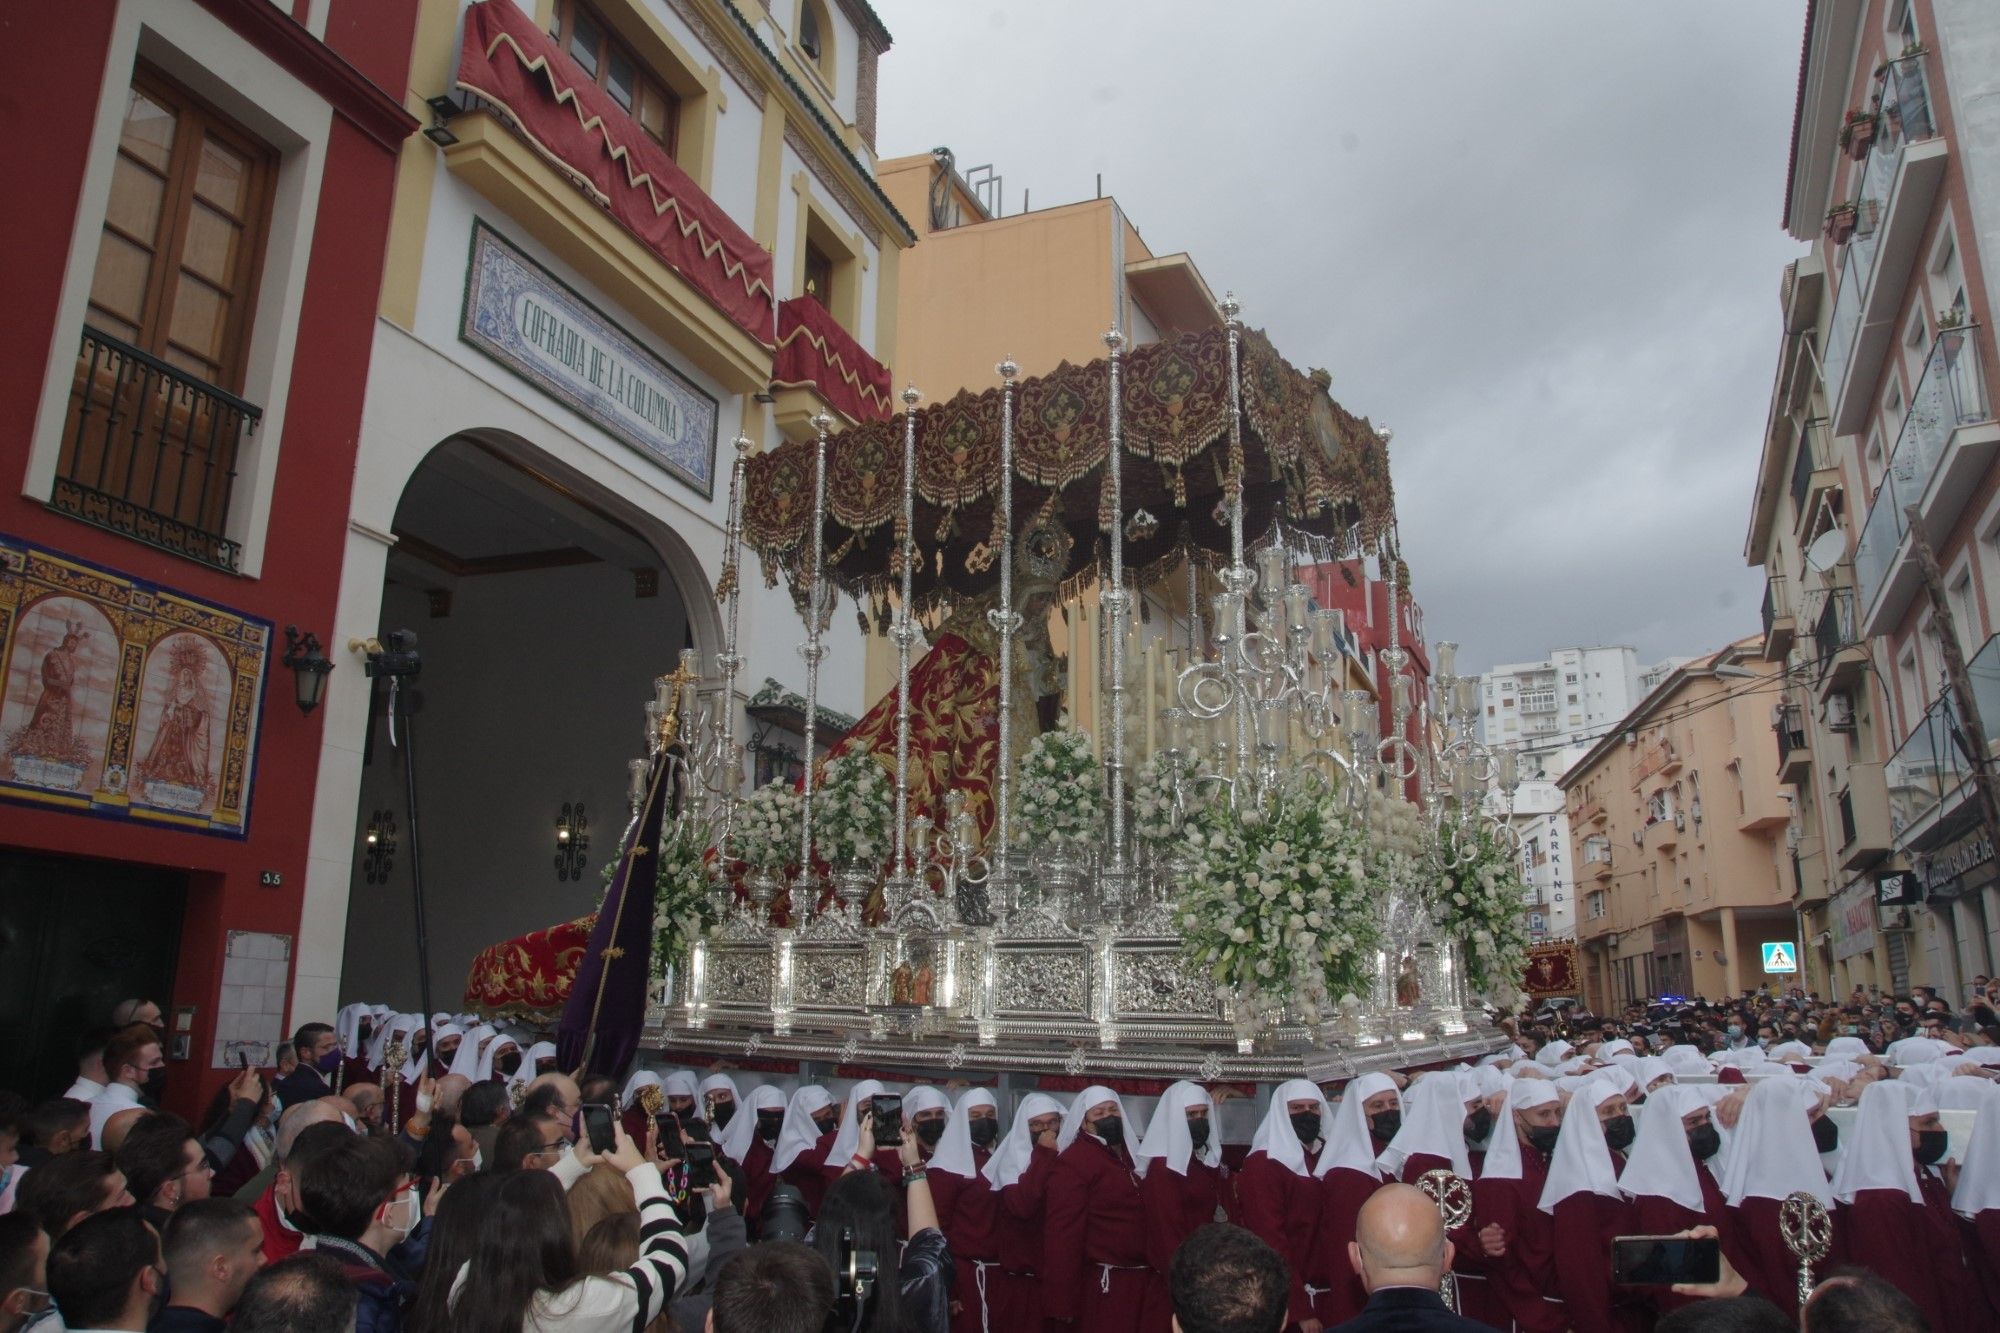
pixel 544 607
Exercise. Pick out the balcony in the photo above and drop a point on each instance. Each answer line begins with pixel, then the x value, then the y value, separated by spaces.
pixel 1927 775
pixel 1794 757
pixel 1842 658
pixel 820 367
pixel 1865 837
pixel 1663 834
pixel 149 451
pixel 1898 186
pixel 1815 477
pixel 1779 626
pixel 1947 442
pixel 1659 757
pixel 1590 812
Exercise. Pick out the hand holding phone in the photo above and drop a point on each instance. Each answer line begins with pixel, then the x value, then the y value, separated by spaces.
pixel 597 1125
pixel 1664 1261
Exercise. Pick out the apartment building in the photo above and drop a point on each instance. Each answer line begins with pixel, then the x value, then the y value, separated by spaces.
pixel 1880 442
pixel 1677 821
pixel 1544 707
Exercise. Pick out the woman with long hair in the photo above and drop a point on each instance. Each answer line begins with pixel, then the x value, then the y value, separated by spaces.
pixel 461 1215
pixel 612 1245
pixel 859 1214
pixel 523 1276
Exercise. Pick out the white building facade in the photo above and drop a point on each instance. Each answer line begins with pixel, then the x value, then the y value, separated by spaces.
pixel 1541 707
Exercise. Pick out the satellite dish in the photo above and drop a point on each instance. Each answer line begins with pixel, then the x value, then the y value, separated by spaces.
pixel 1826 551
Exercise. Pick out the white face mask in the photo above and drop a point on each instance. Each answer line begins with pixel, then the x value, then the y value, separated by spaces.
pixel 412 1215
pixel 478 1162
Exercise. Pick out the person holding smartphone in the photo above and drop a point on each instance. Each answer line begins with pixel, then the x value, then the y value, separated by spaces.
pixel 913 1293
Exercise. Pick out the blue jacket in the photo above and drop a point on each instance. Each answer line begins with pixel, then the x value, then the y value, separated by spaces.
pixel 385 1294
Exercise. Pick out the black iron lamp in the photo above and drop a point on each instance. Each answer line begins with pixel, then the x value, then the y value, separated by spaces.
pixel 309 665
pixel 378 856
pixel 572 841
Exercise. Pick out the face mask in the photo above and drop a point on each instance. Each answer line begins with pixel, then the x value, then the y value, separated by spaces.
pixel 1704 1141
pixel 824 1123
pixel 1111 1129
pixel 1384 1124
pixel 413 1213
pixel 1930 1146
pixel 1305 1124
pixel 930 1131
pixel 1198 1133
pixel 1735 1031
pixel 721 1114
pixel 769 1125
pixel 510 1063
pixel 1826 1134
pixel 478 1162
pixel 329 1062
pixel 1619 1131
pixel 1478 1125
pixel 984 1132
pixel 155 1085
pixel 1542 1138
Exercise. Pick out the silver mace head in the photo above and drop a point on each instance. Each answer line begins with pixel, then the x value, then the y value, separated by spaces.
pixel 1115 341
pixel 911 397
pixel 743 445
pixel 822 422
pixel 1231 307
pixel 1007 369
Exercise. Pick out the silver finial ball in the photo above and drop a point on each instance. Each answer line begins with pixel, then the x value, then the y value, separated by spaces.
pixel 1114 340
pixel 1231 308
pixel 822 422
pixel 910 396
pixel 1385 434
pixel 743 445
pixel 1008 369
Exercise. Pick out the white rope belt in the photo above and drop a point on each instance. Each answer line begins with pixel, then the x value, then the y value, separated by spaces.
pixel 1104 1280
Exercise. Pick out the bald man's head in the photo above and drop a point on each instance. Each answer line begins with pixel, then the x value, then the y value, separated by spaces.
pixel 295 1119
pixel 1399 1240
pixel 120 1125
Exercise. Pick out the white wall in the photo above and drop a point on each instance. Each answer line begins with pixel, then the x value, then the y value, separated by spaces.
pixel 1968 42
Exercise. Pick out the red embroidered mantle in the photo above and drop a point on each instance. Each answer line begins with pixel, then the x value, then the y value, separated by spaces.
pixel 511 63
pixel 530 975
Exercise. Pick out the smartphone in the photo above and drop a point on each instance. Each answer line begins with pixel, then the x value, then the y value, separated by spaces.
pixel 244 1057
pixel 1661 1261
pixel 700 1165
pixel 669 1129
pixel 887 1110
pixel 597 1122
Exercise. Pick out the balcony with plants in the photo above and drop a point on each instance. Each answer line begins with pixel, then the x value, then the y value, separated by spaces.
pixel 1948 440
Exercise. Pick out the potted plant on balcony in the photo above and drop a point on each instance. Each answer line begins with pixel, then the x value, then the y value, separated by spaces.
pixel 1952 318
pixel 1840 220
pixel 1857 132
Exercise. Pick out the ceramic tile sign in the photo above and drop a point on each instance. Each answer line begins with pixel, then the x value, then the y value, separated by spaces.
pixel 250 1013
pixel 123 699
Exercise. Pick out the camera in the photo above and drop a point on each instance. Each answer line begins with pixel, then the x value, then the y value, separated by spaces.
pixel 784 1215
pixel 854 1274
pixel 397 658
pixel 886 1111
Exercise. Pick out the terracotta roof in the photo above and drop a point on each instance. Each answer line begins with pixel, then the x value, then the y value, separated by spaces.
pixel 1798 112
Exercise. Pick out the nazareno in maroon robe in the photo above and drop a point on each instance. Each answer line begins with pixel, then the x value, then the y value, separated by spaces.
pixel 1281 1208
pixel 1094 1271
pixel 1524 1280
pixel 1175 1205
pixel 968 1210
pixel 1016 1294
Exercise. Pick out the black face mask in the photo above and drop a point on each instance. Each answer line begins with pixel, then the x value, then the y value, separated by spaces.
pixel 1111 1129
pixel 510 1063
pixel 1198 1132
pixel 1384 1124
pixel 155 1084
pixel 1478 1125
pixel 1542 1138
pixel 1826 1134
pixel 826 1123
pixel 768 1125
pixel 721 1114
pixel 930 1131
pixel 1619 1131
pixel 1930 1146
pixel 984 1132
pixel 1704 1141
pixel 1305 1124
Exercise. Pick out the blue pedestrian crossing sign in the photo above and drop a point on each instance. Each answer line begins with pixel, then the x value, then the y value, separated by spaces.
pixel 1780 956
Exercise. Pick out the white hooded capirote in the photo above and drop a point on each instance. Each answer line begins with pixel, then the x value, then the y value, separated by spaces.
pixel 1846 1048
pixel 731 1140
pixel 1979 1169
pixel 1276 1138
pixel 1662 1165
pixel 1349 1141
pixel 1969 1094
pixel 1553 1054
pixel 399 1028
pixel 441 1033
pixel 1017 1148
pixel 1875 1151
pixel 1582 1160
pixel 465 1061
pixel 682 1083
pixel 1686 1061
pixel 530 1062
pixel 1433 1125
pixel 1650 1069
pixel 954 1154
pixel 1771 1152
pixel 347 1027
pixel 1168 1138
pixel 489 1058
pixel 924 1097
pixel 1503 1153
pixel 641 1079
pixel 800 1131
pixel 1086 1101
pixel 847 1143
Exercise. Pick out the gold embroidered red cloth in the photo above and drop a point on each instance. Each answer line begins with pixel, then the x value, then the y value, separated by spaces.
pixel 511 63
pixel 814 351
pixel 1552 970
pixel 528 976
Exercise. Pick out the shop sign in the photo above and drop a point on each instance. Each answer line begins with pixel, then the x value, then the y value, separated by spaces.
pixel 1850 920
pixel 1943 872
pixel 522 316
pixel 124 699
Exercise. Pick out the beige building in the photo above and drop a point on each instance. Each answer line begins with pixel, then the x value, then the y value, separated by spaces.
pixel 1677 838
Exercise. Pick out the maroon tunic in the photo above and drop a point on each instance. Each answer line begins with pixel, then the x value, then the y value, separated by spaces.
pixel 1469 1261
pixel 1281 1208
pixel 1342 1192
pixel 968 1210
pixel 1017 1295
pixel 1584 1225
pixel 1524 1280
pixel 807 1172
pixel 1982 1246
pixel 1094 1269
pixel 1175 1206
pixel 757 1178
pixel 1654 1215
pixel 1919 1248
pixel 1766 1264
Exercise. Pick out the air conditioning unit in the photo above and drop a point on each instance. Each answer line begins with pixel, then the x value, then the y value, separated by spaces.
pixel 1638 838
pixel 1680 821
pixel 1839 712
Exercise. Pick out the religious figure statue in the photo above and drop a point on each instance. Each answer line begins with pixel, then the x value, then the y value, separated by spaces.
pixel 51 732
pixel 1409 991
pixel 180 752
pixel 926 981
pixel 955 690
pixel 902 985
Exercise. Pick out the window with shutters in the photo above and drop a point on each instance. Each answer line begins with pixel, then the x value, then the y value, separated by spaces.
pixel 614 68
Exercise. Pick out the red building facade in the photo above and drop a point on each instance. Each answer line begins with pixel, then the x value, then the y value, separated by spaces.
pixel 193 294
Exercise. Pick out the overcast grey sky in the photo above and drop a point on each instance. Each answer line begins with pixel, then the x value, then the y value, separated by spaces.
pixel 1538 238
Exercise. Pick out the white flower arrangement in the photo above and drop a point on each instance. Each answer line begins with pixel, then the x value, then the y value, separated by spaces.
pixel 1056 792
pixel 1279 910
pixel 852 810
pixel 1154 822
pixel 766 833
pixel 682 906
pixel 1480 905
